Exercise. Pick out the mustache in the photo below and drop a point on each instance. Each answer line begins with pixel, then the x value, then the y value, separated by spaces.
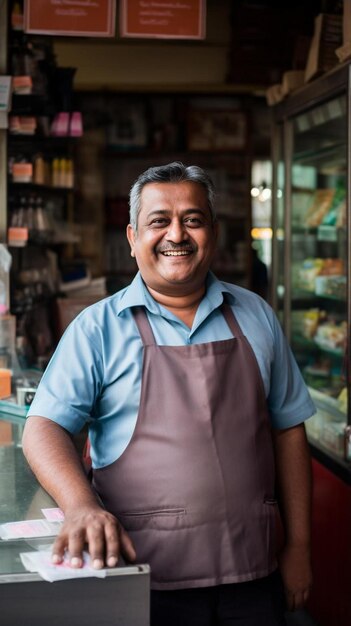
pixel 174 248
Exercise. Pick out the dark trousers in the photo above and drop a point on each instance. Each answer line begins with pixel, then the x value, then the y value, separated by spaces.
pixel 256 603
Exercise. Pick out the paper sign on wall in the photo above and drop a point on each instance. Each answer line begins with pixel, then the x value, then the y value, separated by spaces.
pixel 74 18
pixel 183 19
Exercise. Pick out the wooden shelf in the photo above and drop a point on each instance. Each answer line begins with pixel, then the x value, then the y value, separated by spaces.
pixel 208 89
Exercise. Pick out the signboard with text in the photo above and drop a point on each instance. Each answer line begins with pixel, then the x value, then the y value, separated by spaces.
pixel 182 19
pixel 75 18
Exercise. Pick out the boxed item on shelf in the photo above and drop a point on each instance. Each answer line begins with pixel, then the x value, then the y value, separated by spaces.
pixel 307 273
pixel 310 321
pixel 311 269
pixel 321 204
pixel 332 435
pixel 292 79
pixel 342 400
pixel 334 285
pixel 331 336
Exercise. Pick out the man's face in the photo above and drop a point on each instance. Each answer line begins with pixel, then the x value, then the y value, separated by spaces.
pixel 175 240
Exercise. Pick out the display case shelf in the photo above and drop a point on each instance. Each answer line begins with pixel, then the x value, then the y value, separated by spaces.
pixel 312 135
pixel 330 155
pixel 311 345
pixel 304 294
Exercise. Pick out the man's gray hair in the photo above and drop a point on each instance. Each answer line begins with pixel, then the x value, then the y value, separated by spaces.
pixel 174 172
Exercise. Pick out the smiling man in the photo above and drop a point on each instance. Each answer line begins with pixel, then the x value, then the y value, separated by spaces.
pixel 195 408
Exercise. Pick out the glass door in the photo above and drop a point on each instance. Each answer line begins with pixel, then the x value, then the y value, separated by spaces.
pixel 318 270
pixel 278 223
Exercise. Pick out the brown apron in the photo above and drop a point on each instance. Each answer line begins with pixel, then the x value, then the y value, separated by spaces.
pixel 195 486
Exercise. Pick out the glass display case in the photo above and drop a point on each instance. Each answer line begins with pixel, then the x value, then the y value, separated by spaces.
pixel 122 597
pixel 311 250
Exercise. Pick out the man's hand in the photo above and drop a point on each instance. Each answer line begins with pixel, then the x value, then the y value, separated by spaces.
pixel 294 481
pixel 100 530
pixel 53 458
pixel 296 572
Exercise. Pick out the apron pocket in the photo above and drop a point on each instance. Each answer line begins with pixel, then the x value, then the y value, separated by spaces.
pixel 163 519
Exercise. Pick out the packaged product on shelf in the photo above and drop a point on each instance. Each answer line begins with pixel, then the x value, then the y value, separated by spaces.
pixel 22 85
pixel 22 125
pixel 331 286
pixel 332 436
pixel 332 336
pixel 312 268
pixel 22 172
pixel 311 319
pixel 307 273
pixel 317 373
pixel 341 219
pixel 17 17
pixel 55 173
pixel 322 202
pixel 332 267
pixel 342 400
pixel 5 265
pixel 39 170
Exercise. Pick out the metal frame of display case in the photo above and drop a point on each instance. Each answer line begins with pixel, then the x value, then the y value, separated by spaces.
pixel 331 85
pixel 3 131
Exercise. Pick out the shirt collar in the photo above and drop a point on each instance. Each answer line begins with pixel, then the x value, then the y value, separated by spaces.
pixel 137 294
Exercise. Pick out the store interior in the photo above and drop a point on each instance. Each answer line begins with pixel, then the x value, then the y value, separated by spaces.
pixel 88 114
pixel 97 111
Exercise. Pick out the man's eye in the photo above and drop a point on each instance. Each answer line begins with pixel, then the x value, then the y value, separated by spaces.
pixel 193 221
pixel 159 221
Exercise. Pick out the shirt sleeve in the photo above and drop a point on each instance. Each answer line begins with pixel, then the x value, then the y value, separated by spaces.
pixel 71 382
pixel 289 400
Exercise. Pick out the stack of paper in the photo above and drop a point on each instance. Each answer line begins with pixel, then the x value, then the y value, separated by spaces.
pixel 40 562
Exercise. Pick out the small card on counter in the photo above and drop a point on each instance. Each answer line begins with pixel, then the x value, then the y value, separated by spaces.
pixel 29 528
pixel 40 562
pixel 53 514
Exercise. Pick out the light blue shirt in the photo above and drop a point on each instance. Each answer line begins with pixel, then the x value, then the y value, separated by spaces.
pixel 95 373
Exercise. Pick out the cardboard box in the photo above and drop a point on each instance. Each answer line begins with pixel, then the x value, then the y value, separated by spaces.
pixel 293 79
pixel 326 39
pixel 346 22
pixel 274 94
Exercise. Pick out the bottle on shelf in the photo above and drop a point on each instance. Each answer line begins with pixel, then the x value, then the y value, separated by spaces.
pixel 43 225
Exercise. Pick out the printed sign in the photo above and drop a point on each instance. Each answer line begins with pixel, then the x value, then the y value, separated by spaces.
pixel 183 19
pixel 74 18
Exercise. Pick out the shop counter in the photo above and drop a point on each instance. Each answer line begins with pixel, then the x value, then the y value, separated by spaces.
pixel 120 599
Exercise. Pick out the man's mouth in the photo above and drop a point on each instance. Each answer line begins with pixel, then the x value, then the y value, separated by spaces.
pixel 176 252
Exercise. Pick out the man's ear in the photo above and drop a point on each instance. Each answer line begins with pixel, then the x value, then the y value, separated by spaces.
pixel 131 238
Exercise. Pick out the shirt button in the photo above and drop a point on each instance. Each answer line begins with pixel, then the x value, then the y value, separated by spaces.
pixel 188 340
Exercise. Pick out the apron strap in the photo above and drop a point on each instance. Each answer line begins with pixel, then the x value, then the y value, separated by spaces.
pixel 231 320
pixel 143 325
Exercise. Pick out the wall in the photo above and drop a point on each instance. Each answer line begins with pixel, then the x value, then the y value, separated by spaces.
pixel 117 62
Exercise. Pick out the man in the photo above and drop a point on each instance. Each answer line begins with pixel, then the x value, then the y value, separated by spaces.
pixel 195 409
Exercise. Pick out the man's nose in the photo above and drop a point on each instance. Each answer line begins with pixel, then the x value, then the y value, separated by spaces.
pixel 176 231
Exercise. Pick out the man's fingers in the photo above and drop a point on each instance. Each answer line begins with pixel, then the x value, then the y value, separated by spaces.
pixel 103 534
pixel 96 543
pixel 58 548
pixel 112 544
pixel 73 542
pixel 296 600
pixel 76 542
